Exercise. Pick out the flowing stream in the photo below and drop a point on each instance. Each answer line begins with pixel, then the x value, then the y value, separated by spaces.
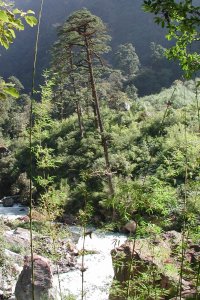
pixel 14 212
pixel 99 271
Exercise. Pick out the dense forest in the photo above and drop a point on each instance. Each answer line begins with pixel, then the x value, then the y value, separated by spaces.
pixel 126 23
pixel 111 133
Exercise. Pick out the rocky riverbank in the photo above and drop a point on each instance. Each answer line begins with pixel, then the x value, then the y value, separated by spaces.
pixel 61 253
pixel 66 260
pixel 150 268
pixel 146 264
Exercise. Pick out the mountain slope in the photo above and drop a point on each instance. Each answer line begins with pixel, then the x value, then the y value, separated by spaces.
pixel 125 20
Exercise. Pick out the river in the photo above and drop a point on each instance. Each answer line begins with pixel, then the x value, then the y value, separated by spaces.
pixel 14 212
pixel 99 271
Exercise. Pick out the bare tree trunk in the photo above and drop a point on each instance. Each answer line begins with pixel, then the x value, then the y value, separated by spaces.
pixel 99 119
pixel 61 105
pixel 78 106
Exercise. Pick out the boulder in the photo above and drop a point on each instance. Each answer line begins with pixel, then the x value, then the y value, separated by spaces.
pixel 18 238
pixel 9 270
pixel 66 254
pixel 193 254
pixel 16 259
pixel 24 219
pixel 173 237
pixel 134 258
pixel 8 201
pixel 22 233
pixel 130 227
pixel 68 219
pixel 43 280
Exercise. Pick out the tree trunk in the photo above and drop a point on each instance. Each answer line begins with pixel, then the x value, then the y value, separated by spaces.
pixel 78 107
pixel 99 119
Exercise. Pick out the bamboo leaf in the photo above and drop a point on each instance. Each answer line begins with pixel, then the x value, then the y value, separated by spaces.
pixel 11 91
pixel 12 33
pixel 30 12
pixel 4 16
pixel 16 11
pixel 32 21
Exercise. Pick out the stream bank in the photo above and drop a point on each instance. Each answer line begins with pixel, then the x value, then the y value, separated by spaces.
pixel 155 253
pixel 98 273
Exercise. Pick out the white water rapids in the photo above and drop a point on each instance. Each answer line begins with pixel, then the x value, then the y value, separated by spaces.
pixel 14 212
pixel 99 273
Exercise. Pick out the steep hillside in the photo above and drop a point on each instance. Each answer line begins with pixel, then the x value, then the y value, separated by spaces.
pixel 125 19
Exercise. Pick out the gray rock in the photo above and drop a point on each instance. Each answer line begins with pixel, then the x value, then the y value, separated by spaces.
pixel 14 257
pixel 173 237
pixel 130 227
pixel 22 233
pixel 43 280
pixel 19 238
pixel 143 254
pixel 8 201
